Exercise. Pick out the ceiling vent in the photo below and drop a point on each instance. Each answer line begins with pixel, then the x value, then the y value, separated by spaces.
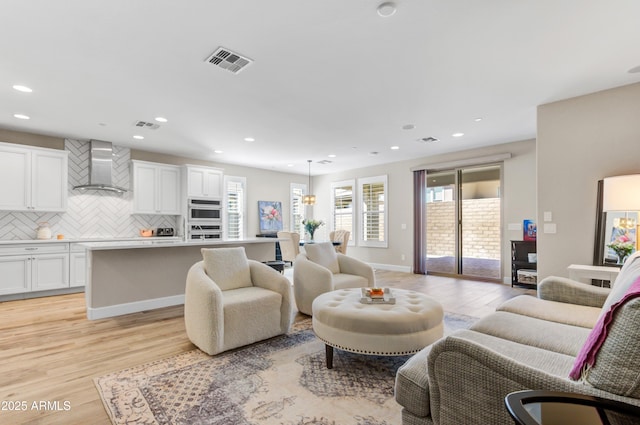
pixel 226 59
pixel 145 124
pixel 324 162
pixel 428 140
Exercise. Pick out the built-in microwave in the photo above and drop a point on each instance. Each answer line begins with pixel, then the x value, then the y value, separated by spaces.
pixel 204 210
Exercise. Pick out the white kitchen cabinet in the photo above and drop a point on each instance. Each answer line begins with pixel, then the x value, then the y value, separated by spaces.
pixel 77 265
pixel 26 268
pixel 32 179
pixel 204 182
pixel 156 188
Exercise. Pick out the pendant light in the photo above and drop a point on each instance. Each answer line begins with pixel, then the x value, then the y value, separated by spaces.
pixel 309 199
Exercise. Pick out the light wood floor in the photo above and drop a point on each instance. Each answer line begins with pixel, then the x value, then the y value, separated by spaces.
pixel 50 352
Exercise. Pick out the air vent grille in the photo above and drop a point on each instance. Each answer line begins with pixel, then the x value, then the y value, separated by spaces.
pixel 228 60
pixel 428 140
pixel 145 124
pixel 325 162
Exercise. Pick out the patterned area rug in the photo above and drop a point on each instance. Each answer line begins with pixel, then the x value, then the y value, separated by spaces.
pixel 281 381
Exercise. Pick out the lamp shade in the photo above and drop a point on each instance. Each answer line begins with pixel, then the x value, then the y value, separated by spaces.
pixel 621 193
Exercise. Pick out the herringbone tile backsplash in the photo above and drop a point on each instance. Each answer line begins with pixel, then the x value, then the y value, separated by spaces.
pixel 93 214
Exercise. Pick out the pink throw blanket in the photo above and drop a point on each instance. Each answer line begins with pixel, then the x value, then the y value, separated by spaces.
pixel 589 351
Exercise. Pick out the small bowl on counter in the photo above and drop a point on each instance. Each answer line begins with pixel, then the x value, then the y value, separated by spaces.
pixel 146 233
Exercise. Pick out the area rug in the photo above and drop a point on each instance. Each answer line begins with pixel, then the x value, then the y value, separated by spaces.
pixel 282 381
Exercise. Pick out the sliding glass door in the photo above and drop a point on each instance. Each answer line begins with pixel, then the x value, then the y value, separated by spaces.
pixel 463 216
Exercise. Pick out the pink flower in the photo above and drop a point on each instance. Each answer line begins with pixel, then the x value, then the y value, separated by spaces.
pixel 624 238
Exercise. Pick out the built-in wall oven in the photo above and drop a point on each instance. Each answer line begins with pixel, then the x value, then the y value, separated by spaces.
pixel 204 219
pixel 205 231
pixel 204 210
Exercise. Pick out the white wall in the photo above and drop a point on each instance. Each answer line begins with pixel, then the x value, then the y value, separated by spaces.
pixel 518 199
pixel 581 141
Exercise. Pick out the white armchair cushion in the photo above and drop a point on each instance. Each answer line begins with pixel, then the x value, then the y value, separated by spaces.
pixel 323 254
pixel 228 267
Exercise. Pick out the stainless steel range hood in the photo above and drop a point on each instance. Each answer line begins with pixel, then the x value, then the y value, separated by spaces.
pixel 100 168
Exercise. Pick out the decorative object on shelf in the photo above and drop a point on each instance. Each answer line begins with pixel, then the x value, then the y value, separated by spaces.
pixel 623 246
pixel 43 231
pixel 145 233
pixel 529 230
pixel 309 199
pixel 270 216
pixel 311 226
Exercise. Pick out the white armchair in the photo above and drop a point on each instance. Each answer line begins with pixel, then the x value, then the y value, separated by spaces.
pixel 320 269
pixel 231 301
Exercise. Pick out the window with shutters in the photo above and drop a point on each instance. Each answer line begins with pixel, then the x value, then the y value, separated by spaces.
pixel 342 200
pixel 297 208
pixel 373 211
pixel 235 203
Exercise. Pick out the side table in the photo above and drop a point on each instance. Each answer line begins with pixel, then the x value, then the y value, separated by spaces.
pixel 553 408
pixel 580 272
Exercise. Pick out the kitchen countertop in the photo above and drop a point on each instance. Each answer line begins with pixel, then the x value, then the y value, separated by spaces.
pixel 170 242
pixel 115 239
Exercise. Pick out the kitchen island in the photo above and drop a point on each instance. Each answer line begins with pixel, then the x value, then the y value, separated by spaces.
pixel 132 276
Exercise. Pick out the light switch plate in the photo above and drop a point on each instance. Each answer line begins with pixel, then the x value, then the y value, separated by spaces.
pixel 550 228
pixel 548 216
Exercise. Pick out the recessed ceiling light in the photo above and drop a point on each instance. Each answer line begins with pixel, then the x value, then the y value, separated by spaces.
pixel 23 89
pixel 478 119
pixel 218 151
pixel 289 165
pixel 331 156
pixel 408 127
pixel 249 139
pixel 387 9
pixel 395 148
pixel 161 119
pixel 137 136
pixel 22 116
pixel 457 135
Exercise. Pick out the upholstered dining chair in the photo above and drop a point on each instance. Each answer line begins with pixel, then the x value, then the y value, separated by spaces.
pixel 231 301
pixel 321 269
pixel 341 236
pixel 289 246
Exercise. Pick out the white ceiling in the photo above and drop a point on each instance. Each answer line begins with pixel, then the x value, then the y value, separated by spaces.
pixel 329 77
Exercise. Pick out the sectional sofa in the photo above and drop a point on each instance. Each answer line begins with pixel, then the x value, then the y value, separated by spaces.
pixel 528 343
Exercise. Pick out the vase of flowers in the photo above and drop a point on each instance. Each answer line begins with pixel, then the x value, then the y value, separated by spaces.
pixel 622 246
pixel 311 226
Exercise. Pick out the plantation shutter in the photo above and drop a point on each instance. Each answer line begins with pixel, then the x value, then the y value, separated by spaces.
pixel 235 209
pixel 373 211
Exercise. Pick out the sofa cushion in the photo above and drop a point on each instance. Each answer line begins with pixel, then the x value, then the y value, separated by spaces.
pixel 628 274
pixel 227 267
pixel 323 254
pixel 250 314
pixel 552 336
pixel 553 311
pixel 616 368
pixel 343 280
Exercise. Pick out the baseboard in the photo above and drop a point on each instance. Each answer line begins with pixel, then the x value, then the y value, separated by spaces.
pixel 134 307
pixel 391 267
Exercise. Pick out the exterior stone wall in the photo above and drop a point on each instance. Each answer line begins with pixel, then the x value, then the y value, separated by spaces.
pixel 481 221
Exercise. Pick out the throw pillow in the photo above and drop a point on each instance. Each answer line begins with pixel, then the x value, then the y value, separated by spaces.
pixel 227 267
pixel 605 360
pixel 323 254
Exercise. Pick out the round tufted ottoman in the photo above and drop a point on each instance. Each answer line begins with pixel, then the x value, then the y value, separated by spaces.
pixel 340 320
